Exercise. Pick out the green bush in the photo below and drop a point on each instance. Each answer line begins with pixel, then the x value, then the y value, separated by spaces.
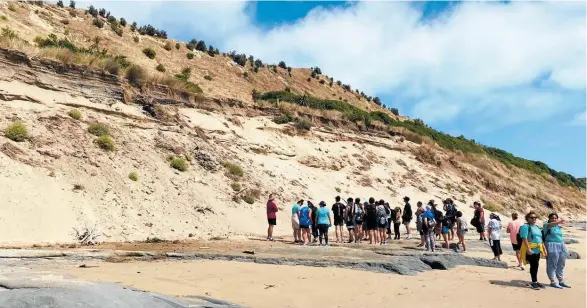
pixel 233 169
pixel 282 65
pixel 394 111
pixel 249 199
pixel 190 55
pixel 179 164
pixel 177 45
pixel 98 23
pixel 303 124
pixel 208 77
pixel 149 52
pixel 105 143
pixel 160 68
pixel 16 131
pixel 283 119
pixel 136 39
pixel 75 114
pixel 136 76
pixel 168 46
pixel 133 176
pixel 98 129
pixel 236 186
pixel 4 18
pixel 123 22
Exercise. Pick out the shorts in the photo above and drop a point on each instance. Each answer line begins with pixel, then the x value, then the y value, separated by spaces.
pixel 304 226
pixel 272 221
pixel 422 232
pixel 516 247
pixel 461 233
pixel 445 229
pixel 371 224
pixel 406 222
pixel 481 228
pixel 382 226
pixel 295 223
pixel 350 225
pixel 338 221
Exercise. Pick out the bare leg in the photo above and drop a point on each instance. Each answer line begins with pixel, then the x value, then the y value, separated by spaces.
pixel 270 231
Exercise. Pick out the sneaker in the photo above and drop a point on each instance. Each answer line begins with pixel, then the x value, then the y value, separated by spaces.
pixel 271 239
pixel 541 285
pixel 555 285
pixel 534 286
pixel 564 285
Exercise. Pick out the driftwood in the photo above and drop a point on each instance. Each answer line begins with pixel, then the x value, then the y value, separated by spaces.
pixel 87 235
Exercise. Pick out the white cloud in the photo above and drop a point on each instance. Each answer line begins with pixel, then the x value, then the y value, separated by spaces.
pixel 480 59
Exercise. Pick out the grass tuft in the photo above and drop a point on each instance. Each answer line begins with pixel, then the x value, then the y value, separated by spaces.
pixel 16 131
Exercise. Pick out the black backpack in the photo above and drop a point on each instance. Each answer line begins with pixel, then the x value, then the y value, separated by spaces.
pixel 371 210
pixel 519 238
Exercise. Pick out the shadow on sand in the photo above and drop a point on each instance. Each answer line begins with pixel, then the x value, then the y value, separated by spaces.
pixel 513 283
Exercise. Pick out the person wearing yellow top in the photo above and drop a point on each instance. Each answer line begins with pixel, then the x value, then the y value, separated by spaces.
pixel 532 247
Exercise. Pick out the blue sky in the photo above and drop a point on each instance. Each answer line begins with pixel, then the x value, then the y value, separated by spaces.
pixel 507 74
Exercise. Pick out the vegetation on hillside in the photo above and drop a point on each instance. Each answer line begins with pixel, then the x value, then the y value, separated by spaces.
pixel 417 126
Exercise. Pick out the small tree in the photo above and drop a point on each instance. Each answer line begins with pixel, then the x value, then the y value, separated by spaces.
pixel 377 101
pixel 201 46
pixel 102 12
pixel 394 111
pixel 289 70
pixel 133 27
pixel 282 65
pixel 60 3
pixel 72 4
pixel 123 22
pixel 92 11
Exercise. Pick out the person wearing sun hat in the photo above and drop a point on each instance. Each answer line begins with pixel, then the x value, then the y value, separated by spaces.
pixel 323 221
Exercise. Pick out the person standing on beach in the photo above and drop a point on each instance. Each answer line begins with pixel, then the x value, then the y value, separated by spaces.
pixel 338 210
pixel 397 221
pixel 305 224
pixel 349 215
pixel 532 247
pixel 271 216
pixel 324 222
pixel 358 211
pixel 479 220
pixel 371 220
pixel 314 224
pixel 429 227
pixel 390 217
pixel 407 217
pixel 381 222
pixel 295 221
pixel 419 223
pixel 494 231
pixel 557 251
pixel 512 229
pixel 450 213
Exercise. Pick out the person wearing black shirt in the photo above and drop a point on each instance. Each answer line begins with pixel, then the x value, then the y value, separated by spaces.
pixel 407 216
pixel 338 210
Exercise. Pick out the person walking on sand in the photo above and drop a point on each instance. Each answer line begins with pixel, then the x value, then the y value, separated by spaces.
pixel 324 222
pixel 295 221
pixel 494 231
pixel 338 210
pixel 407 217
pixel 462 228
pixel 381 222
pixel 358 212
pixel 532 247
pixel 271 216
pixel 512 229
pixel 349 215
pixel 557 251
pixel 305 223
pixel 397 221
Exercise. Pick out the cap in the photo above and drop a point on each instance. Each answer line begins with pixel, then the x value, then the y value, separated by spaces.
pixel 322 203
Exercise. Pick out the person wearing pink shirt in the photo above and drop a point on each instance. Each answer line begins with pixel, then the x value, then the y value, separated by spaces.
pixel 271 216
pixel 513 228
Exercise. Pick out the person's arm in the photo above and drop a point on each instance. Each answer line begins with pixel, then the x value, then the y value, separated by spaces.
pixel 524 234
pixel 275 207
pixel 556 223
pixel 329 220
pixel 508 229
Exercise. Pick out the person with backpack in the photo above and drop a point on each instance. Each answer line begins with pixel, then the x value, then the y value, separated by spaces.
pixel 557 251
pixel 530 236
pixel 371 220
pixel 381 222
pixel 305 223
pixel 397 222
pixel 349 215
pixel 338 211
pixel 494 231
pixel 512 229
pixel 429 227
pixel 450 214
pixel 462 229
pixel 407 217
pixel 295 221
pixel 358 212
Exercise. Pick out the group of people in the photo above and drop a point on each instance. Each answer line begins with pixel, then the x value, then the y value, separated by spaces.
pixel 372 220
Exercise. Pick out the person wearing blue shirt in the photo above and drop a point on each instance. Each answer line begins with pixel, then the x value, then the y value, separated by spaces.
pixel 295 221
pixel 531 236
pixel 305 223
pixel 323 221
pixel 557 251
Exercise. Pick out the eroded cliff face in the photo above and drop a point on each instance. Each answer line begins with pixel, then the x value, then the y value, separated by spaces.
pixel 59 180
